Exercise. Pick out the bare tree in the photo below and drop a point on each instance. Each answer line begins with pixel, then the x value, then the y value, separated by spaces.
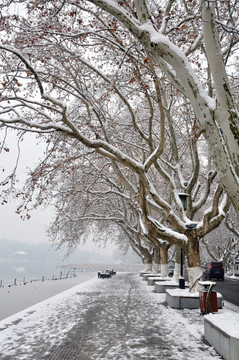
pixel 115 101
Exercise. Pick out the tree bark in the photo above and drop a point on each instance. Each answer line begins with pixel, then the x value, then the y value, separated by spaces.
pixel 177 266
pixel 148 263
pixel 194 261
pixel 156 261
pixel 155 268
pixel 164 261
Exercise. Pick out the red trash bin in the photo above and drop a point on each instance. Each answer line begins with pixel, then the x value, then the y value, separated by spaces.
pixel 208 298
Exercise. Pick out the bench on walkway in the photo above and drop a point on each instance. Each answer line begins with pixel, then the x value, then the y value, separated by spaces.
pixel 142 272
pixel 153 279
pixel 147 275
pixel 222 332
pixel 161 286
pixel 183 299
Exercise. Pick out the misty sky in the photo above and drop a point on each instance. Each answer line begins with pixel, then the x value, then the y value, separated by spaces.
pixel 12 227
pixel 31 231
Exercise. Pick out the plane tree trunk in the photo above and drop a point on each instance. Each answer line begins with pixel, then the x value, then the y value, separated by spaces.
pixel 164 261
pixel 193 259
pixel 177 266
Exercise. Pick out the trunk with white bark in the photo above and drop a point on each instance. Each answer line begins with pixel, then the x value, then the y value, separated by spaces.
pixel 155 268
pixel 194 275
pixel 194 262
pixel 148 267
pixel 164 270
pixel 156 260
pixel 177 267
pixel 164 262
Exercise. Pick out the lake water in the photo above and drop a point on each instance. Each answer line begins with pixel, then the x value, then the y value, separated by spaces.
pixel 25 270
pixel 25 261
pixel 19 269
pixel 15 298
pixel 33 261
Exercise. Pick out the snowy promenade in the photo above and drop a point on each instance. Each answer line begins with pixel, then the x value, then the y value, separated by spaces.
pixel 118 318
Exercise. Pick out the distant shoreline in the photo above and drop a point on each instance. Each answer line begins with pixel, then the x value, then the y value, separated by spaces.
pixel 65 271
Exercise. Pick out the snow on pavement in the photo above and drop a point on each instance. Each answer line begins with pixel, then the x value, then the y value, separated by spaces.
pixel 118 318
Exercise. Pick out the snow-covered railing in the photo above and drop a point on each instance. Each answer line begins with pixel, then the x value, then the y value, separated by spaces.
pixel 25 281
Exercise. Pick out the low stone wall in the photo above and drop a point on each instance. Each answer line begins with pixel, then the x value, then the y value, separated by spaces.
pixel 222 332
pixel 153 279
pixel 183 299
pixel 160 287
pixel 142 272
pixel 147 275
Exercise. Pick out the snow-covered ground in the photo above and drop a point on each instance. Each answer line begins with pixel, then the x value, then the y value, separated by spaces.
pixel 120 318
pixel 230 276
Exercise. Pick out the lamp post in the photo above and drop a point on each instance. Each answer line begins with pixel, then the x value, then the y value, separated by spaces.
pixel 183 197
pixel 191 226
pixel 233 263
pixel 181 284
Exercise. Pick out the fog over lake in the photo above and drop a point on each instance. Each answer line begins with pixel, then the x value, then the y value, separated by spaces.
pixel 32 261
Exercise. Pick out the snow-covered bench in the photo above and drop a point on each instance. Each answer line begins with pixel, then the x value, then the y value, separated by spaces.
pixel 222 332
pixel 161 286
pixel 147 275
pixel 183 299
pixel 153 279
pixel 142 272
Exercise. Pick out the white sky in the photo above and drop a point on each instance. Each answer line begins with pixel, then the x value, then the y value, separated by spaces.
pixel 12 227
pixel 30 231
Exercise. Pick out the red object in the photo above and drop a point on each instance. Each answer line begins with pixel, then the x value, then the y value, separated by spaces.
pixel 203 298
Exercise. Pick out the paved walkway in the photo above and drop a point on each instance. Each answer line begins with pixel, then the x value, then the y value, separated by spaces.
pixel 120 319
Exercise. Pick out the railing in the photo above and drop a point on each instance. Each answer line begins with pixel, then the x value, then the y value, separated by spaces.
pixel 70 270
pixel 24 281
pixel 97 267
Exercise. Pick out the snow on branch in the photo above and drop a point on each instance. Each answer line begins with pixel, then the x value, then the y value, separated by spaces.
pixel 168 234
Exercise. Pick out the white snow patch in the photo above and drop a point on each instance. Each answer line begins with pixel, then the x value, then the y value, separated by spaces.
pixel 49 320
pixel 227 321
pixel 179 331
